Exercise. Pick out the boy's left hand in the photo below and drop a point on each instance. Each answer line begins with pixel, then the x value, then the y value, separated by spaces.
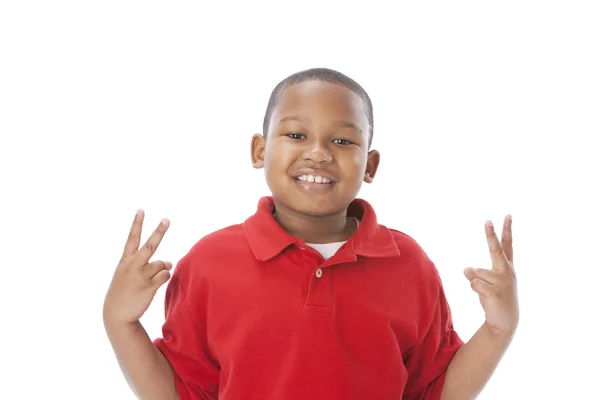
pixel 497 288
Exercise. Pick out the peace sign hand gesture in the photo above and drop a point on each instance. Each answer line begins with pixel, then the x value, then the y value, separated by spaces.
pixel 136 279
pixel 497 288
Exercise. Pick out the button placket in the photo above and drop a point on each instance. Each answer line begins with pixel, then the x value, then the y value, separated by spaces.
pixel 318 294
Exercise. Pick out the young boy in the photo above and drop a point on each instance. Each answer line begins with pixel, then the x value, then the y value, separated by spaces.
pixel 310 297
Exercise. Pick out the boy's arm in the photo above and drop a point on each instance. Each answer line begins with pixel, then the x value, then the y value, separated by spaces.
pixel 473 364
pixel 178 366
pixel 131 291
pixel 146 370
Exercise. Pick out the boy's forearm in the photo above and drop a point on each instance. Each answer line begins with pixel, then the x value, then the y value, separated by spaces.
pixel 474 364
pixel 146 370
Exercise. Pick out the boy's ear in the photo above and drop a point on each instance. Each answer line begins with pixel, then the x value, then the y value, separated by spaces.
pixel 372 165
pixel 258 151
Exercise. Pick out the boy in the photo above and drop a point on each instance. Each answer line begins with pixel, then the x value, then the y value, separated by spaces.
pixel 309 298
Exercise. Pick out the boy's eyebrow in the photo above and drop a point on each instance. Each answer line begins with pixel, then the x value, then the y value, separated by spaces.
pixel 348 124
pixel 342 123
pixel 294 118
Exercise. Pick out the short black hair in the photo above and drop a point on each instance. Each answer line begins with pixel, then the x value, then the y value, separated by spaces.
pixel 321 75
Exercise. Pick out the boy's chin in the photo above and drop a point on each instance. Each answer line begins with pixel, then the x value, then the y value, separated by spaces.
pixel 314 205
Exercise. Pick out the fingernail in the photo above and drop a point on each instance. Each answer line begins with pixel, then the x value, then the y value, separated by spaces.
pixel 165 221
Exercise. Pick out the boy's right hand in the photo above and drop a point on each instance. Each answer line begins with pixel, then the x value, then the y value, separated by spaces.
pixel 136 279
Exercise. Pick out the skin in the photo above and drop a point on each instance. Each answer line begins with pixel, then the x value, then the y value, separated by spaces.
pixel 319 128
pixel 131 291
pixel 475 362
pixel 331 138
pixel 305 133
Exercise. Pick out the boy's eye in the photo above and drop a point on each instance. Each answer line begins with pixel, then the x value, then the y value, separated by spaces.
pixel 295 135
pixel 342 142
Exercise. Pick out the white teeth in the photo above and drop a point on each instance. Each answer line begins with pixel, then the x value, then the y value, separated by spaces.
pixel 314 179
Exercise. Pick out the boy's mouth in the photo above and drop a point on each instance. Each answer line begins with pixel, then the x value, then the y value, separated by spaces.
pixel 314 183
pixel 318 179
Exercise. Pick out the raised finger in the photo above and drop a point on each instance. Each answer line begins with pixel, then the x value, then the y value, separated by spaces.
pixel 507 238
pixel 148 249
pixel 133 240
pixel 499 261
pixel 155 267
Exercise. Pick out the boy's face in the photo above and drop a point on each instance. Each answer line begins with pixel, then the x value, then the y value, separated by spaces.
pixel 316 152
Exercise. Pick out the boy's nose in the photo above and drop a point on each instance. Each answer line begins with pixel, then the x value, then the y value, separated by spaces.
pixel 318 154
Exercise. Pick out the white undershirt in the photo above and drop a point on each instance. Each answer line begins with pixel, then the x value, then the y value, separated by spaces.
pixel 327 250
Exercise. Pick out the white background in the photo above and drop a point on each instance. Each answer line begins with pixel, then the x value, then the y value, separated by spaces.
pixel 481 109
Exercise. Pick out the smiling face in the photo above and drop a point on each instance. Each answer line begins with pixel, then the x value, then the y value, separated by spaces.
pixel 316 152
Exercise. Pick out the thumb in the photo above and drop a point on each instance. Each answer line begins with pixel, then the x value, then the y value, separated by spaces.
pixel 469 273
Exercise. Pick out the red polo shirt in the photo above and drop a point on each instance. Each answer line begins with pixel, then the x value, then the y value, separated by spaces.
pixel 254 313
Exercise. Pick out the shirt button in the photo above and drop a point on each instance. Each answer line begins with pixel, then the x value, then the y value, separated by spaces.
pixel 319 273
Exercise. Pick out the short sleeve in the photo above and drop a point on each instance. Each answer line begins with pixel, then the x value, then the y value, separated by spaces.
pixel 427 362
pixel 184 343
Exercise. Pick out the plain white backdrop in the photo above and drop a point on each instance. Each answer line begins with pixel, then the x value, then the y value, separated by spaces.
pixel 481 109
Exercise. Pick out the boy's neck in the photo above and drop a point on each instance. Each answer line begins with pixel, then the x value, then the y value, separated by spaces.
pixel 316 229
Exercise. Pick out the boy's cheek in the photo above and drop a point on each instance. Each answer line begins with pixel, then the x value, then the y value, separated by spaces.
pixel 359 159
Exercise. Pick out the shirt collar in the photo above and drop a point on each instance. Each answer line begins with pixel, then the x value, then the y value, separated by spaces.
pixel 267 238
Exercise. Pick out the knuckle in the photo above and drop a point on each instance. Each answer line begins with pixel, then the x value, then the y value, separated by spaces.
pixel 159 265
pixel 165 277
pixel 149 268
pixel 156 281
pixel 149 246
